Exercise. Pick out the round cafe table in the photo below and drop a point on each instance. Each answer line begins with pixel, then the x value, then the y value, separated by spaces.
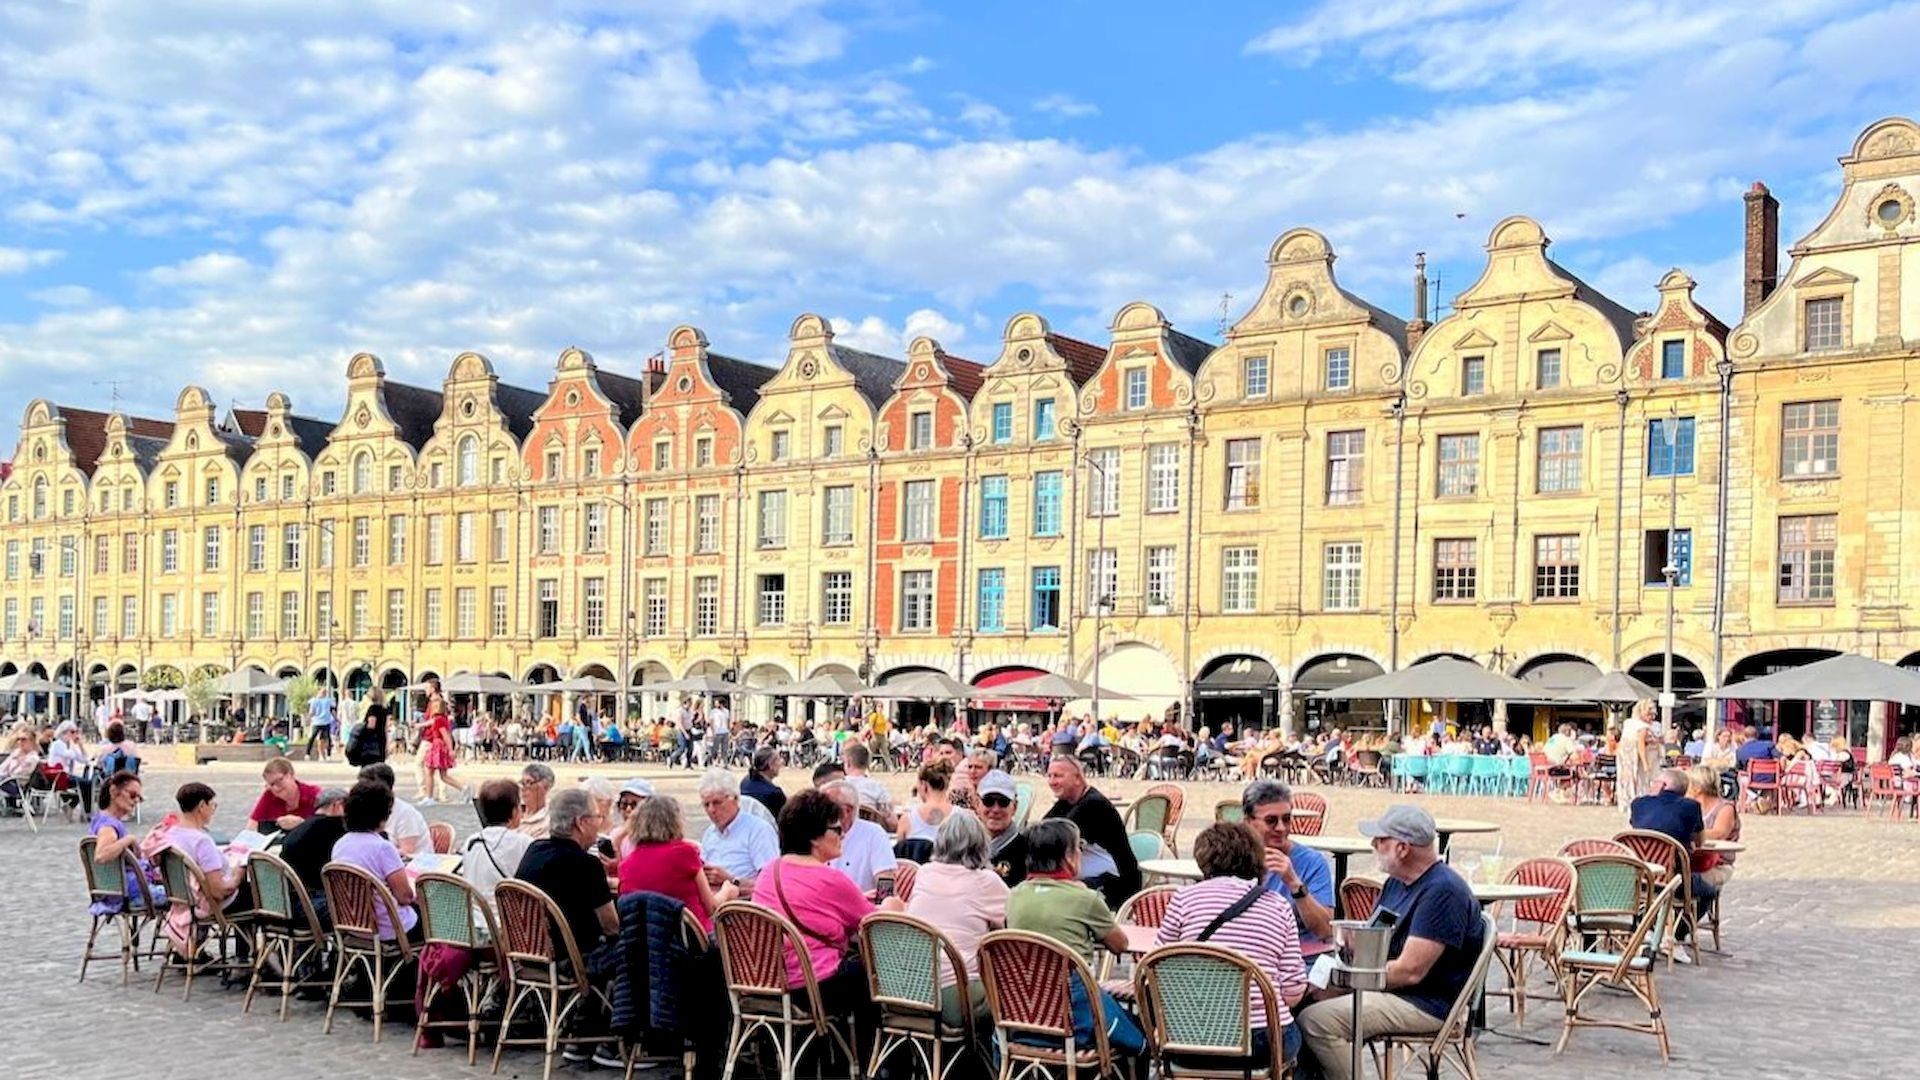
pixel 1185 869
pixel 1340 847
pixel 1723 847
pixel 1446 827
pixel 1488 892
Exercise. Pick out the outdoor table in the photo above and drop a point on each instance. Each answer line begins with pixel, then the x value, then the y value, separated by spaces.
pixel 1303 813
pixel 1497 893
pixel 1140 939
pixel 1171 868
pixel 1446 827
pixel 1722 847
pixel 1340 847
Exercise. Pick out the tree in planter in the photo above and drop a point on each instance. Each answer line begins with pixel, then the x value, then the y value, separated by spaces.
pixel 202 696
pixel 301 690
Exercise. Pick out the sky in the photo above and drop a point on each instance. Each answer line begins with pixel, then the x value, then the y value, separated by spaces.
pixel 243 196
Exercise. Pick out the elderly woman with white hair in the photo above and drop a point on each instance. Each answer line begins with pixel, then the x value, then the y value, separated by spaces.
pixel 736 846
pixel 959 893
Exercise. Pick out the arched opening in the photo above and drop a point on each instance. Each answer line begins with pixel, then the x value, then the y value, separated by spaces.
pixel 97 684
pixel 1555 673
pixel 1145 675
pixel 549 705
pixel 1237 689
pixel 324 676
pixel 706 667
pixel 909 714
pixel 1009 710
pixel 760 709
pixel 1331 671
pixel 1461 714
pixel 8 667
pixel 1822 720
pixel 392 679
pixel 160 677
pixel 125 677
pixel 359 681
pixel 653 707
pixel 1906 719
pixel 1688 680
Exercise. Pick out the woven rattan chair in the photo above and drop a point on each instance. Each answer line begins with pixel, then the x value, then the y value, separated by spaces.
pixel 454 914
pixel 1028 978
pixel 1609 896
pixel 543 965
pixel 1022 803
pixel 1358 897
pixel 1149 813
pixel 754 944
pixel 441 834
pixel 1176 809
pixel 1308 824
pixel 905 957
pixel 1229 811
pixel 1674 864
pixel 905 873
pixel 1196 1004
pixel 208 925
pixel 1146 845
pixel 1629 969
pixel 1544 933
pixel 353 896
pixel 130 914
pixel 1455 1036
pixel 1593 845
pixel 285 929
pixel 1148 907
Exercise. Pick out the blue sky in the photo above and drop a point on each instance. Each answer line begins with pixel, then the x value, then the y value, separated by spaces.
pixel 245 197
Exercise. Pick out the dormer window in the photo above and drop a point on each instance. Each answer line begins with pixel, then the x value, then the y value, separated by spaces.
pixel 662 455
pixel 1137 388
pixel 1255 380
pixel 1473 376
pixel 780 446
pixel 1546 368
pixel 468 461
pixel 834 442
pixel 920 431
pixel 590 463
pixel 1823 324
pixel 703 452
pixel 553 465
pixel 1673 359
pixel 1339 369
pixel 170 496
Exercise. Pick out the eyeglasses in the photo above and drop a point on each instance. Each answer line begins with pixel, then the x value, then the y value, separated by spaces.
pixel 1273 821
pixel 995 800
pixel 837 830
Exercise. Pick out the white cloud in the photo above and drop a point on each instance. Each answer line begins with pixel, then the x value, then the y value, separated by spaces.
pixel 64 296
pixel 214 269
pixel 1065 107
pixel 15 260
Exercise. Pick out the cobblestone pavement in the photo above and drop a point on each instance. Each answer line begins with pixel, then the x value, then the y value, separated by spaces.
pixel 1820 931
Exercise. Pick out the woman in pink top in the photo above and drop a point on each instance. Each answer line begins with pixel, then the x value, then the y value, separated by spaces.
pixel 661 860
pixel 821 902
pixel 961 895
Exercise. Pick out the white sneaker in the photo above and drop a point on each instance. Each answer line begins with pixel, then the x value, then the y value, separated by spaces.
pixel 425 800
pixel 608 1059
pixel 1682 954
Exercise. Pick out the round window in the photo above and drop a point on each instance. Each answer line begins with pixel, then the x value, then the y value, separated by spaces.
pixel 466 408
pixel 1891 212
pixel 573 397
pixel 1025 354
pixel 1297 306
pixel 686 383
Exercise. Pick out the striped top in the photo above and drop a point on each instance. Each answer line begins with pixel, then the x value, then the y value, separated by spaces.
pixel 1264 933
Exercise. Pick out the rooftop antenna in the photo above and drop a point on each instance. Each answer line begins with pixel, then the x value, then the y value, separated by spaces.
pixel 113 390
pixel 1226 300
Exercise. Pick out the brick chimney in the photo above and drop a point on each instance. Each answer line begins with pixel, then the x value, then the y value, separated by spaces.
pixel 1763 246
pixel 1417 326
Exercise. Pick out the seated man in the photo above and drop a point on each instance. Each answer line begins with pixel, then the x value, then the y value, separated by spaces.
pixel 1303 874
pixel 285 803
pixel 736 845
pixel 1668 810
pixel 407 827
pixel 309 846
pixel 1434 947
pixel 495 851
pixel 563 866
pixel 866 851
pixel 1107 864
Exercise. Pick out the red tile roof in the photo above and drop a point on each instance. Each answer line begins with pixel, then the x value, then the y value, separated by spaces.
pixel 964 376
pixel 253 422
pixel 87 433
pixel 1083 358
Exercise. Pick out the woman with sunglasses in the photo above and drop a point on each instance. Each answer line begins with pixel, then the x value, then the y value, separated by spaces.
pixel 820 901
pixel 120 803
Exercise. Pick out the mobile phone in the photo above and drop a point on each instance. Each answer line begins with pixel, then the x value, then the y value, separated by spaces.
pixel 605 847
pixel 1385 918
pixel 883 888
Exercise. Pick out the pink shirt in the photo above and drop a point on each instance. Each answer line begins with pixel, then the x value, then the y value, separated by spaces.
pixel 823 905
pixel 964 904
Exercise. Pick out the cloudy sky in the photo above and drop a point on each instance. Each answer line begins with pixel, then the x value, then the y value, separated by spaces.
pixel 243 196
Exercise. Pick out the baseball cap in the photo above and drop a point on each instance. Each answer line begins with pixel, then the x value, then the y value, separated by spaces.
pixel 330 796
pixel 999 782
pixel 637 786
pixel 1402 822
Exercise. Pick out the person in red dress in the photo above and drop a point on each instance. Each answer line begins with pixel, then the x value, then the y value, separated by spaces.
pixel 436 754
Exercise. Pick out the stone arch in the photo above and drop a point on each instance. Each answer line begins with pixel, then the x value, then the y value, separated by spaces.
pixel 763 708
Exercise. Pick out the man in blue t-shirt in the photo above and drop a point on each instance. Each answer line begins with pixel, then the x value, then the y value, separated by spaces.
pixel 1435 944
pixel 1294 870
pixel 1668 810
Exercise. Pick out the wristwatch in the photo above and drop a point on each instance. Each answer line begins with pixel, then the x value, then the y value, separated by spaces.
pixel 1300 891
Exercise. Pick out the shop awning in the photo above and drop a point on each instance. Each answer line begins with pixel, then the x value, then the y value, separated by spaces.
pixel 1336 671
pixel 1245 676
pixel 1445 679
pixel 1839 678
pixel 1010 704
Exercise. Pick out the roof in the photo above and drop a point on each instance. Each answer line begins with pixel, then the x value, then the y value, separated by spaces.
pixel 87 433
pixel 311 434
pixel 414 409
pixel 1394 325
pixel 873 375
pixel 741 379
pixel 1614 312
pixel 628 395
pixel 1188 351
pixel 963 375
pixel 1083 358
pixel 239 447
pixel 146 451
pixel 517 406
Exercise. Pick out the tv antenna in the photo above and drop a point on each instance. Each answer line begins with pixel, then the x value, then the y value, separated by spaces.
pixel 1226 313
pixel 113 390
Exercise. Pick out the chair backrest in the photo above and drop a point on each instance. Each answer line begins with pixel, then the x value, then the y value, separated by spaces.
pixel 1229 811
pixel 904 959
pixel 1548 873
pixel 353 896
pixel 1412 765
pixel 1487 766
pixel 1022 803
pixel 905 873
pixel 1656 848
pixel 1148 907
pixel 1308 824
pixel 182 879
pixel 1454 1027
pixel 1176 802
pixel 1609 885
pixel 1593 845
pixel 754 945
pixel 279 895
pixel 1763 771
pixel 1649 930
pixel 441 833
pixel 532 927
pixel 453 912
pixel 108 881
pixel 1456 765
pixel 1029 979
pixel 1146 845
pixel 1358 897
pixel 1149 813
pixel 1196 999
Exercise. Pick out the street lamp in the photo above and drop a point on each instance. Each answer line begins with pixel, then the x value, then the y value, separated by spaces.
pixel 1100 597
pixel 1670 435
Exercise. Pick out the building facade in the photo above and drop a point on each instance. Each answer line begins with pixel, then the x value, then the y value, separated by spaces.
pixel 1544 480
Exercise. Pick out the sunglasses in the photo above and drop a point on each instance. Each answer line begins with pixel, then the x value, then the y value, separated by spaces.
pixel 1274 821
pixel 995 800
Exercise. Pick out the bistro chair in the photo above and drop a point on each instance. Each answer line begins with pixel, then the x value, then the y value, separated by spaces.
pixel 1762 780
pixel 542 965
pixel 1148 907
pixel 442 836
pixel 1309 824
pixel 1365 770
pixel 1176 808
pixel 205 924
pixel 754 943
pixel 286 929
pixel 1669 862
pixel 1028 979
pixel 1197 1005
pixel 1022 803
pixel 1456 1030
pixel 1229 811
pixel 1149 813
pixel 1544 932
pixel 1630 969
pixel 1593 845
pixel 1609 896
pixel 353 897
pixel 1359 896
pixel 130 913
pixel 904 960
pixel 1146 845
pixel 455 915
pixel 1409 770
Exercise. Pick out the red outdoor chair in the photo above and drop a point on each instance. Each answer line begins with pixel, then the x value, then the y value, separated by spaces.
pixel 1358 897
pixel 1308 824
pixel 1763 779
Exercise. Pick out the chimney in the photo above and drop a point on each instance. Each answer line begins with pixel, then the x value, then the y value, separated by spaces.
pixel 1417 326
pixel 1763 246
pixel 656 364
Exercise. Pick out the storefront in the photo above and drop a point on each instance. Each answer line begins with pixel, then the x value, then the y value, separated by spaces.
pixel 1331 672
pixel 1241 690
pixel 1555 674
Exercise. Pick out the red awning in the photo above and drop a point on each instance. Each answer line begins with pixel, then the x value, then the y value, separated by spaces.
pixel 1012 704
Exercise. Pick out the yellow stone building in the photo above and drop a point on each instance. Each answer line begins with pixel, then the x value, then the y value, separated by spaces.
pixel 1545 480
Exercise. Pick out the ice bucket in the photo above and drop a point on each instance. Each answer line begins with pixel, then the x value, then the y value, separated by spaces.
pixel 1363 946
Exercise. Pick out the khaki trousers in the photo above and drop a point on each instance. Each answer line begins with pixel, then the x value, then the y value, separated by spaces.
pixel 1328 1027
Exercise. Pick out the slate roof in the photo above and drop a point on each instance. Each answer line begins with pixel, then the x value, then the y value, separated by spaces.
pixel 146 451
pixel 414 409
pixel 1394 325
pixel 1615 313
pixel 517 406
pixel 629 396
pixel 238 446
pixel 1188 351
pixel 873 375
pixel 87 433
pixel 309 433
pixel 1083 358
pixel 741 379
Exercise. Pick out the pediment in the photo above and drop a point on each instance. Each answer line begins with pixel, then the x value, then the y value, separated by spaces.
pixel 1475 339
pixel 834 412
pixel 1551 331
pixel 779 416
pixel 1825 276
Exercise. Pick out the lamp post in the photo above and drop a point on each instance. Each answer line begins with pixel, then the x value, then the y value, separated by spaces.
pixel 1671 571
pixel 1100 596
pixel 79 678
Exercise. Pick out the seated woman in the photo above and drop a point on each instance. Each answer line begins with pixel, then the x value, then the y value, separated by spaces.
pixel 226 884
pixel 922 821
pixel 17 771
pixel 662 860
pixel 70 756
pixel 1055 902
pixel 369 804
pixel 1720 821
pixel 121 802
pixel 1230 906
pixel 959 893
pixel 821 902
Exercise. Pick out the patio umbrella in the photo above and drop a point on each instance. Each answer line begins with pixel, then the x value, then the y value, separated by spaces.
pixel 825 684
pixel 24 683
pixel 1445 679
pixel 1840 678
pixel 131 695
pixel 1613 688
pixel 927 686
pixel 711 685
pixel 1048 685
pixel 465 683
pixel 247 680
pixel 583 684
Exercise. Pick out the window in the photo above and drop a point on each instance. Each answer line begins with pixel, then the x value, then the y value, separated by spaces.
pixel 780 446
pixel 773 519
pixel 37 615
pixel 168 500
pixel 1243 474
pixel 1161 576
pixel 292 539
pixel 210 549
pixel 1546 369
pixel 836 515
pixel 706 515
pixel 13 559
pixel 323 544
pixel 1044 427
pixel 65 627
pixel 432 616
pixel 1456 569
pixel 37 559
pixel 993 508
pixel 466 538
pixel 1673 359
pixel 1810 439
pixel 1002 426
pixel 259 489
pixel 396 613
pixel 590 462
pixel 1560 459
pixel 323 621
pixel 1807 552
pixel 1046 503
pixel 1046 598
pixel 130 552
pixel 706 606
pixel 653 607
pixel 916 600
pixel 1239 579
pixel 773 599
pixel 547 529
pixel 467 465
pixel 1346 467
pixel 70 555
pixel 836 598
pixel 396 540
pixel 394 475
pixel 101 613
pixel 1823 329
pixel 436 539
pixel 1103 483
pixel 1163 478
pixel 328 482
pixel 466 612
pixel 593 607
pixel 130 619
pixel 654 536
pixel 1556 567
pixel 256 615
pixel 1254 377
pixel 501 610
pixel 916 520
pixel 1338 366
pixel 1136 389
pixel 662 455
pixel 289 614
pixel 593 533
pixel 286 487
pixel 703 452
pixel 1340 576
pixel 1459 465
pixel 833 441
pixel 1103 578
pixel 546 612
pixel 497 545
pixel 552 471
pixel 213 492
pixel 1658 549
pixel 357 614
pixel 12 624
pixel 169 550
pixel 1473 375
pixel 1670 447
pixel 169 614
pixel 362 541
pixel 990 614
pixel 920 431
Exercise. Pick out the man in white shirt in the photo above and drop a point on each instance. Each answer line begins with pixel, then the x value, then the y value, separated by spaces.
pixel 406 826
pixel 720 725
pixel 349 714
pixel 872 792
pixel 102 716
pixel 143 719
pixel 865 850
pixel 494 852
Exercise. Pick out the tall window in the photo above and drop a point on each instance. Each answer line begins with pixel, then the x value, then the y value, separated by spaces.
pixel 1161 576
pixel 1560 457
pixel 1670 447
pixel 1137 388
pixel 1808 546
pixel 990 613
pixel 916 600
pixel 590 462
pixel 210 548
pixel 1338 365
pixel 396 613
pixel 1340 576
pixel 1459 465
pixel 358 615
pixel 289 614
pixel 1002 427
pixel 1046 503
pixel 836 515
pixel 1254 378
pixel 209 614
pixel 501 612
pixel 169 550
pixel 662 455
pixel 66 625
pixel 1556 567
pixel 466 535
pixel 394 475
pixel 593 531
pixel 436 539
pixel 920 431
pixel 654 608
pixel 101 613
pixel 1823 325
pixel 467 465
pixel 1239 579
pixel 546 614
pixel 1046 598
pixel 362 541
pixel 773 519
pixel 69 556
pixel 1546 369
pixel 291 539
pixel 703 452
pixel 993 508
pixel 836 598
pixel 1346 467
pixel 1473 375
pixel 1659 549
pixel 256 614
pixel 706 606
pixel 169 614
pixel 773 599
pixel 1103 578
pixel 10 627
pixel 1163 478
pixel 706 519
pixel 916 521
pixel 213 492
pixel 1673 359
pixel 432 614
pixel 1456 569
pixel 466 612
pixel 1103 483
pixel 130 619
pixel 833 441
pixel 1810 438
pixel 780 446
pixel 498 546
pixel 593 606
pixel 1044 427
pixel 1243 474
pixel 546 520
pixel 169 498
pixel 130 551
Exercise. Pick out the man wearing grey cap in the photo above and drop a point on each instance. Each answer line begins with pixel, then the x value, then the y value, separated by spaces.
pixel 308 846
pixel 1435 943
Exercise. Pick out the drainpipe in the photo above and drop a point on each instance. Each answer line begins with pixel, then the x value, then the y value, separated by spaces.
pixel 1716 713
pixel 869 637
pixel 1399 410
pixel 1070 588
pixel 1619 515
pixel 739 555
pixel 1190 709
pixel 960 632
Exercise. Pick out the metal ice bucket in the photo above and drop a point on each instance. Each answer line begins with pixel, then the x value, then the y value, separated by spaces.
pixel 1362 946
